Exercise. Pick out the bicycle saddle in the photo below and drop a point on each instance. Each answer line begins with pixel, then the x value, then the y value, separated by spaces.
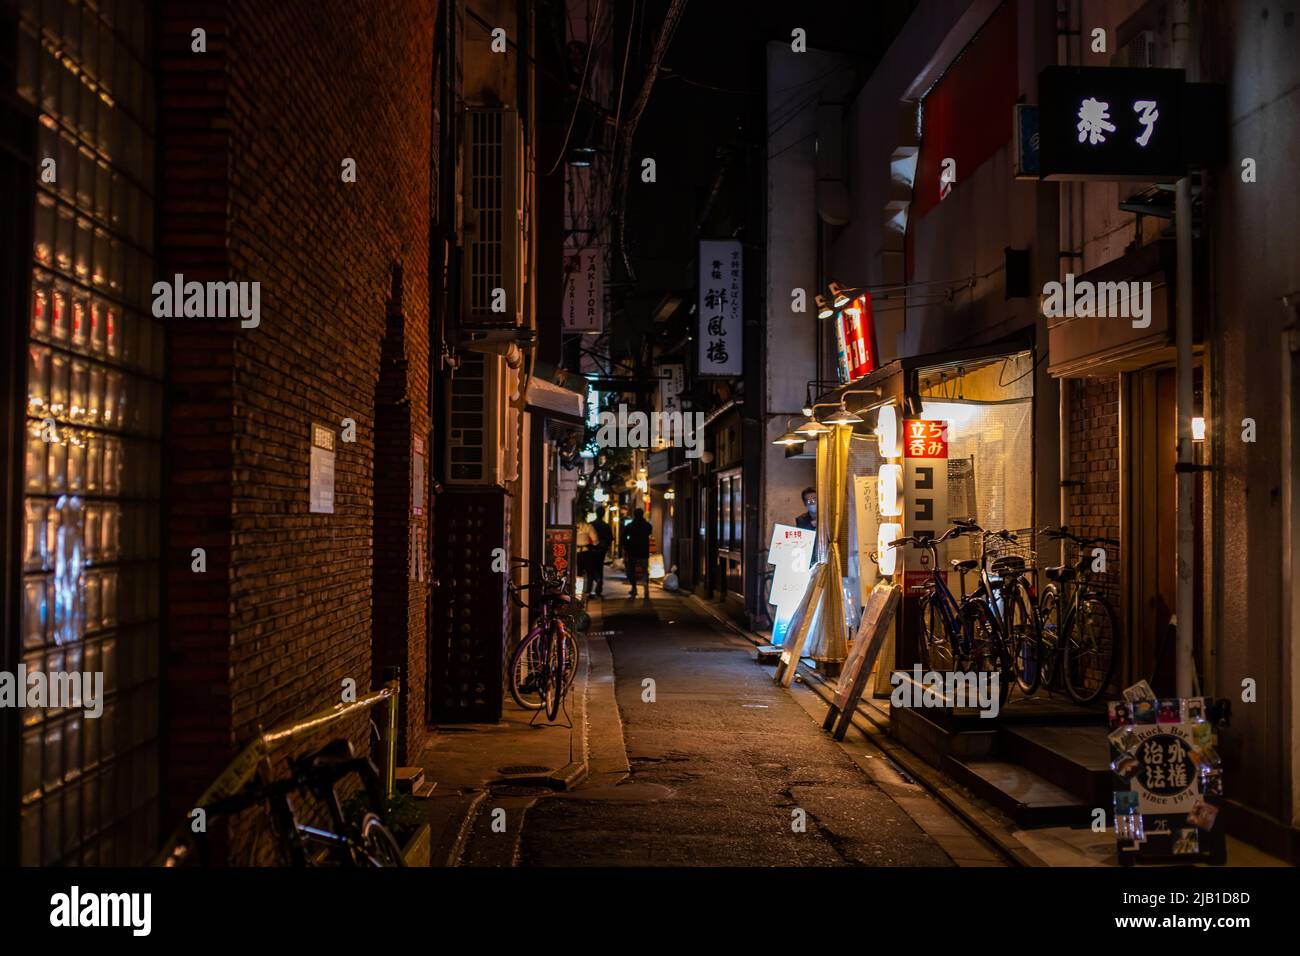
pixel 1062 572
pixel 1008 565
pixel 970 565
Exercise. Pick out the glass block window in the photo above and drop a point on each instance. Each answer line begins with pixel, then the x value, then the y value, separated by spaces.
pixel 89 786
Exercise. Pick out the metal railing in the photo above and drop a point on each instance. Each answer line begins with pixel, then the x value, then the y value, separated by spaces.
pixel 246 764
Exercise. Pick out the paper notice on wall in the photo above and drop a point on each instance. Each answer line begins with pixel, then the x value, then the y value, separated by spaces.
pixel 321 470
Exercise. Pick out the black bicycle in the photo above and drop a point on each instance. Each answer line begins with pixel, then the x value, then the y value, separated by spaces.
pixel 543 666
pixel 367 843
pixel 1080 629
pixel 958 633
pixel 1005 585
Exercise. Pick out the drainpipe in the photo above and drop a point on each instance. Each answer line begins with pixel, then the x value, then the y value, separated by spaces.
pixel 1180 23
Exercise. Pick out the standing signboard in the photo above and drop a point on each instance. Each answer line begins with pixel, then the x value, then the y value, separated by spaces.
pixel 925 490
pixel 1168 778
pixel 790 552
pixel 720 308
pixel 872 634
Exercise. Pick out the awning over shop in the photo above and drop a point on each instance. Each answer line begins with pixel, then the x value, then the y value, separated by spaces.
pixel 899 378
pixel 554 401
pixel 1081 346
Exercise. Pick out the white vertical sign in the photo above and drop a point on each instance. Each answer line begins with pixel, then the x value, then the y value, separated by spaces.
pixel 720 308
pixel 583 290
pixel 672 379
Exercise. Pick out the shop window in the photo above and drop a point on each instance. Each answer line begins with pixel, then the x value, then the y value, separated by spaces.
pixel 89 786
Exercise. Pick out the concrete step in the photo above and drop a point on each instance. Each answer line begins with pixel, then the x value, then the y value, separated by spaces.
pixel 1074 757
pixel 1029 799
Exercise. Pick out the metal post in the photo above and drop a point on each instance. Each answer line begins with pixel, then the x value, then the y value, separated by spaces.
pixel 1184 602
pixel 394 686
pixel 1185 595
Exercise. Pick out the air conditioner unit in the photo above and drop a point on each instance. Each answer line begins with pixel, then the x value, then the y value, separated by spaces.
pixel 1138 51
pixel 482 423
pixel 492 267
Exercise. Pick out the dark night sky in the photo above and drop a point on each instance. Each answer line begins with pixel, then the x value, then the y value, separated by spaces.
pixel 706 111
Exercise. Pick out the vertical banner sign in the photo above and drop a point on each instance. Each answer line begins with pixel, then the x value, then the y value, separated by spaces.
pixel 867 514
pixel 860 336
pixel 720 309
pixel 321 480
pixel 925 491
pixel 560 552
pixel 841 350
pixel 672 378
pixel 583 290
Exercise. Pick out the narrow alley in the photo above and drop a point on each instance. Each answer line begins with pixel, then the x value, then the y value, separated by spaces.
pixel 721 762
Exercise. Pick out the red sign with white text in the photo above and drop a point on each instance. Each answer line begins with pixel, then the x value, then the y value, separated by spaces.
pixel 859 324
pixel 924 438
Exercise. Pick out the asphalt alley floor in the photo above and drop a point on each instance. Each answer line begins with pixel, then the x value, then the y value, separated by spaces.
pixel 725 768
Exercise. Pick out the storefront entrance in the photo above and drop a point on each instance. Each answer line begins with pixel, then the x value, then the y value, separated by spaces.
pixel 1149 443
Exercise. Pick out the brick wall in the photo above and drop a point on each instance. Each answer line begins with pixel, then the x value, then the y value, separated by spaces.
pixel 1094 461
pixel 253 135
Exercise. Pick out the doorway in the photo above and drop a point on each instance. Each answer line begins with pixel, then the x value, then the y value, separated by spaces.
pixel 1149 441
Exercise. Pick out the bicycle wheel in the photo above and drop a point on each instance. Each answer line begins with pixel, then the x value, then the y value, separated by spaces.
pixel 1089 660
pixel 1024 639
pixel 527 665
pixel 988 654
pixel 1049 626
pixel 570 659
pixel 378 845
pixel 936 650
pixel 555 685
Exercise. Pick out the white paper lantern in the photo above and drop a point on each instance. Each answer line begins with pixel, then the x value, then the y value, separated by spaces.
pixel 887 554
pixel 887 432
pixel 889 491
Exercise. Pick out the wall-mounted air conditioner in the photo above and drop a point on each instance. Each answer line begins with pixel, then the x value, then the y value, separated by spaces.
pixel 492 267
pixel 482 423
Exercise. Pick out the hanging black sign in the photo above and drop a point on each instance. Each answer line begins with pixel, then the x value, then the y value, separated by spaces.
pixel 1114 123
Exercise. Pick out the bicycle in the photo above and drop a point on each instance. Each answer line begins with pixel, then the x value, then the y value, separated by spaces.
pixel 1080 629
pixel 957 634
pixel 1006 587
pixel 544 665
pixel 365 844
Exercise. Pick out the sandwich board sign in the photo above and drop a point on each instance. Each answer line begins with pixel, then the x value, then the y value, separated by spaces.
pixel 1168 779
pixel 877 619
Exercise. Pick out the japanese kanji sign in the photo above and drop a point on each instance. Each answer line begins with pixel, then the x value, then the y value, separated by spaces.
pixel 560 552
pixel 672 378
pixel 1168 777
pixel 925 438
pixel 1111 123
pixel 925 490
pixel 859 320
pixel 721 307
pixel 583 290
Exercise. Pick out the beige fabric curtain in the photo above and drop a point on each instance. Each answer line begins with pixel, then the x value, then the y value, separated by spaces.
pixel 828 637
